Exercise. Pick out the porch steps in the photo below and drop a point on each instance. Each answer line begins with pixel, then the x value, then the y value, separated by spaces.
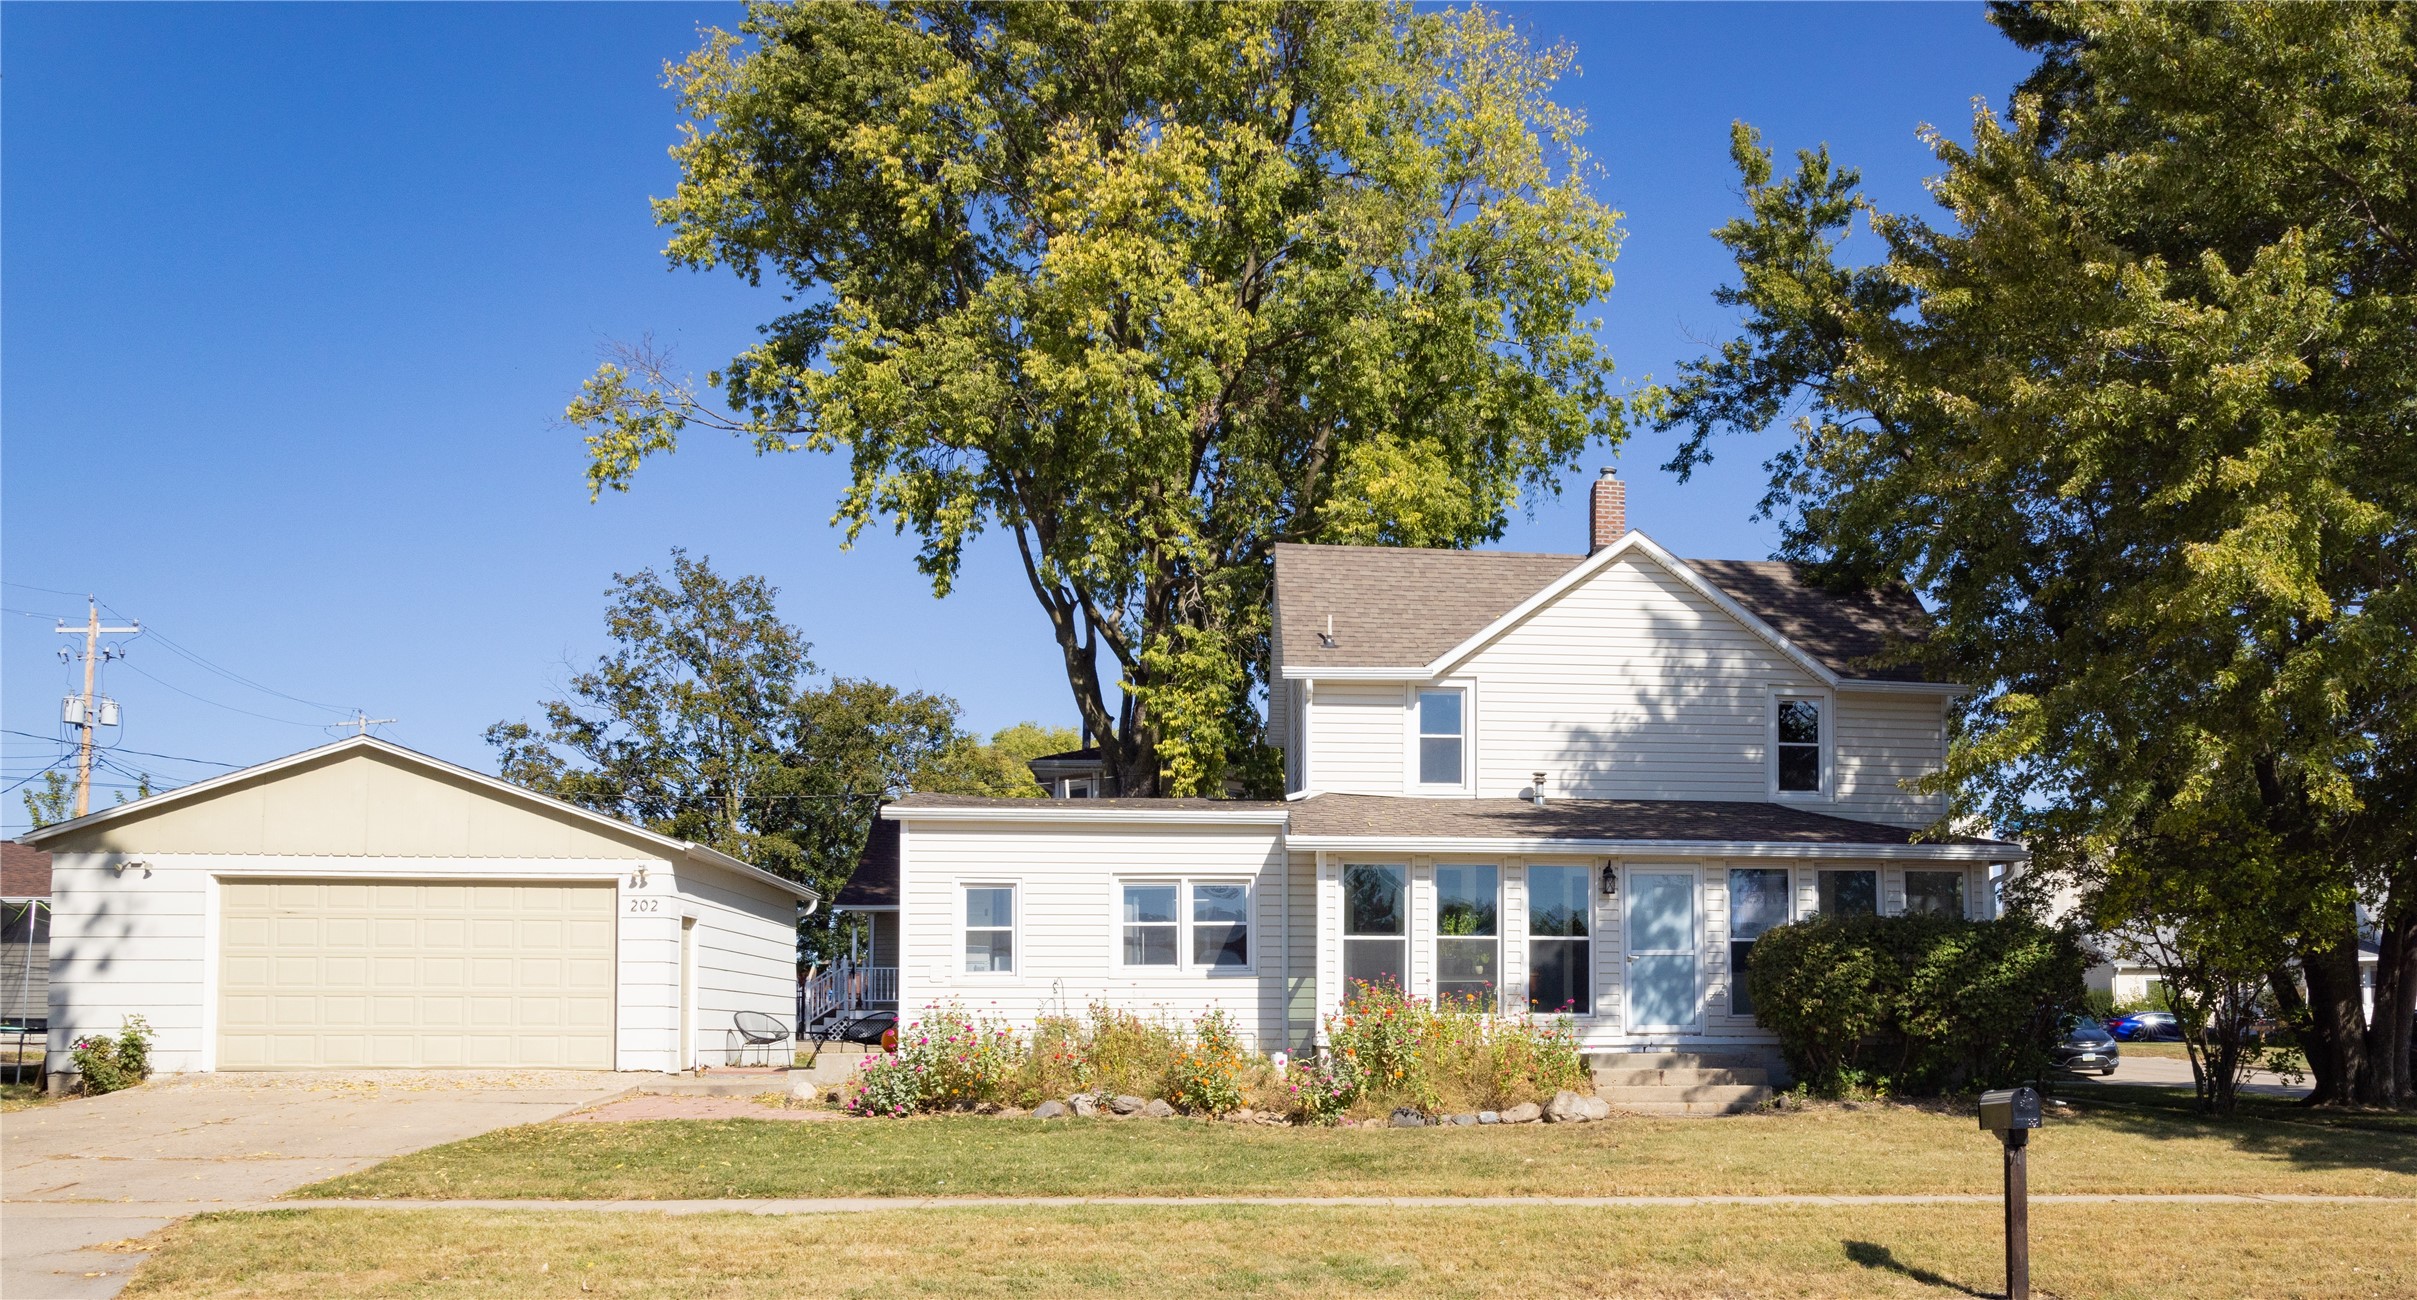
pixel 831 1063
pixel 1682 1083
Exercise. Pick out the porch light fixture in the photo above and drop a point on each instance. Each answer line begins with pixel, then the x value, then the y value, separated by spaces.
pixel 1611 880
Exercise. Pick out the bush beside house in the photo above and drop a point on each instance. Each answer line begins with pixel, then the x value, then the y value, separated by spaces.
pixel 1915 1005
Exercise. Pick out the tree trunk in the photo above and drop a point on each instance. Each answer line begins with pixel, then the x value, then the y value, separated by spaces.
pixel 2389 1030
pixel 2336 1020
pixel 2294 1012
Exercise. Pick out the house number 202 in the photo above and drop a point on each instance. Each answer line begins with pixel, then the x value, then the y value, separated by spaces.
pixel 646 904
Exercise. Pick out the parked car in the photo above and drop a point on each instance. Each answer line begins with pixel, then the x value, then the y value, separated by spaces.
pixel 2146 1027
pixel 2082 1045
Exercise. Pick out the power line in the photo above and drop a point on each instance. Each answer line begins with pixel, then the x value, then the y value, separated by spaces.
pixel 315 726
pixel 235 677
pixel 120 749
pixel 73 595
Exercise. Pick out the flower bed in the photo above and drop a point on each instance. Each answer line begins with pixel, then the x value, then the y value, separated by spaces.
pixel 1390 1058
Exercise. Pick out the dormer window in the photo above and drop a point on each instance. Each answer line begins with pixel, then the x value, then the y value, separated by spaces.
pixel 1441 737
pixel 1797 745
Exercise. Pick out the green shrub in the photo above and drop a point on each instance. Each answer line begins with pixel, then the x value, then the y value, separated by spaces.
pixel 1388 1049
pixel 1209 1075
pixel 1915 1005
pixel 109 1064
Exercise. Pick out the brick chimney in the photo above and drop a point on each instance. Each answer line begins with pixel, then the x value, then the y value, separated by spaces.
pixel 1610 511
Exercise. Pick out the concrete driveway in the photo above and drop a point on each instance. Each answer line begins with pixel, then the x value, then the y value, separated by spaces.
pixel 81 1174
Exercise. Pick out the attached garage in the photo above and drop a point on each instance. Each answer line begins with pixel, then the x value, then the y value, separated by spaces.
pixel 361 906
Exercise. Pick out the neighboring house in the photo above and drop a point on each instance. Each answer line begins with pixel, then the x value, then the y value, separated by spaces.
pixel 24 937
pixel 1540 782
pixel 362 905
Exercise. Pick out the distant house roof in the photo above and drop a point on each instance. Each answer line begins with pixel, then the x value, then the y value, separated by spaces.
pixel 875 882
pixel 1401 607
pixel 1644 820
pixel 24 871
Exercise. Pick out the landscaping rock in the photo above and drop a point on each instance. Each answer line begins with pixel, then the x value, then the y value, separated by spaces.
pixel 1407 1117
pixel 1596 1108
pixel 1489 1117
pixel 805 1090
pixel 1467 1119
pixel 1567 1108
pixel 1050 1110
pixel 1526 1112
pixel 1127 1105
pixel 1084 1107
pixel 1158 1109
pixel 1011 1112
pixel 1243 1116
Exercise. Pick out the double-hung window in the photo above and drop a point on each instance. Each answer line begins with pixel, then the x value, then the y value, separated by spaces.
pixel 1758 901
pixel 1796 744
pixel 1560 956
pixel 990 929
pixel 1376 915
pixel 1220 925
pixel 1848 893
pixel 1151 928
pixel 1468 942
pixel 1442 737
pixel 1934 893
pixel 1154 917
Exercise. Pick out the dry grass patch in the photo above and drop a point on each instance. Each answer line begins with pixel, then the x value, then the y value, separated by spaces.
pixel 1870 1149
pixel 1167 1253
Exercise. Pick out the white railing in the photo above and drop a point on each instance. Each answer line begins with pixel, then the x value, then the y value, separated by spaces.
pixel 843 990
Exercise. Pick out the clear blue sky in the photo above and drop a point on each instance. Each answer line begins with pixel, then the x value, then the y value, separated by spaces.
pixel 294 295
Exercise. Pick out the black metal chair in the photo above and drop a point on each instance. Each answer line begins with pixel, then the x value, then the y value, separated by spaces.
pixel 757 1030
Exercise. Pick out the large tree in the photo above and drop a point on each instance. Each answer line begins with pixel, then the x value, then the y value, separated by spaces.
pixel 707 722
pixel 1150 287
pixel 2139 416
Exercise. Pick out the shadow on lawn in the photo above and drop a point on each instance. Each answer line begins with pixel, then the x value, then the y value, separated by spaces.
pixel 2313 1139
pixel 1873 1255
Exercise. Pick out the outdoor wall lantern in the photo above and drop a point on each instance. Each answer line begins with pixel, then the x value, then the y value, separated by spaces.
pixel 2012 1113
pixel 1611 880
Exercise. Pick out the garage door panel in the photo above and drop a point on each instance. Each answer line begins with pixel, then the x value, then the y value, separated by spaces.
pixel 415 974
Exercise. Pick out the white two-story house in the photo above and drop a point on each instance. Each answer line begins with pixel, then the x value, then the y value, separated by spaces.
pixel 1575 784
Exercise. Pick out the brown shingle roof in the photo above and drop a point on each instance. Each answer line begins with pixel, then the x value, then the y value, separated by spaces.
pixel 1844 630
pixel 1586 819
pixel 24 871
pixel 1402 607
pixel 1398 606
pixel 922 800
pixel 875 880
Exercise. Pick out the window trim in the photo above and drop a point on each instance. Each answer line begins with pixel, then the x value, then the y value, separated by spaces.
pixel 1089 784
pixel 1827 702
pixel 1588 873
pixel 1437 938
pixel 1185 966
pixel 1342 923
pixel 1729 940
pixel 1412 734
pixel 1014 928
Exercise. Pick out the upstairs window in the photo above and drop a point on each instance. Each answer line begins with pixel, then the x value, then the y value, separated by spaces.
pixel 1798 744
pixel 1441 738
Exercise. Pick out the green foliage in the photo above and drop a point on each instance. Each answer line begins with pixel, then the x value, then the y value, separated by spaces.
pixel 1386 1049
pixel 51 802
pixel 998 768
pixel 1209 1075
pixel 1915 1005
pixel 1288 273
pixel 2138 418
pixel 704 723
pixel 108 1064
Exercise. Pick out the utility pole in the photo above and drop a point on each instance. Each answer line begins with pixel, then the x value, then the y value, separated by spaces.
pixel 90 718
pixel 362 720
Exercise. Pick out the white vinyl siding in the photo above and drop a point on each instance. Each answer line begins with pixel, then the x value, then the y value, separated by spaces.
pixel 1631 686
pixel 1879 740
pixel 1358 732
pixel 1069 936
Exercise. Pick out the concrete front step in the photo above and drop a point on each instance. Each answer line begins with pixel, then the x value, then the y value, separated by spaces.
pixel 1696 1099
pixel 1625 1078
pixel 1738 1060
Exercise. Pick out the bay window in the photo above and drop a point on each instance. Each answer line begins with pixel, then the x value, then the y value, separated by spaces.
pixel 1560 955
pixel 1468 944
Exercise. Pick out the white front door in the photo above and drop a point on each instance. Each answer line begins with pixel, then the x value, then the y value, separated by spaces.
pixel 1662 958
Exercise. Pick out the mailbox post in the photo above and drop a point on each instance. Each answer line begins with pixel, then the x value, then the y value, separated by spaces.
pixel 2012 1113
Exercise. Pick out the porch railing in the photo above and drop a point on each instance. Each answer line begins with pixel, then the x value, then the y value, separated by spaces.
pixel 843 991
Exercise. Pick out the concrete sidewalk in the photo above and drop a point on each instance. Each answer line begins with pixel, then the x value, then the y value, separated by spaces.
pixel 823 1205
pixel 79 1174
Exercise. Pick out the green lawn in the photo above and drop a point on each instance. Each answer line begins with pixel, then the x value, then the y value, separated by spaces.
pixel 21 1096
pixel 2145 1142
pixel 2078 1252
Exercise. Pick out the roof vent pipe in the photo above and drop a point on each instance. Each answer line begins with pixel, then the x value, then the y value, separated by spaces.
pixel 1609 515
pixel 1537 788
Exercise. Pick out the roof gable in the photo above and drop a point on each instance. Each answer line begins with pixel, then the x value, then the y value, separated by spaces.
pixel 1422 612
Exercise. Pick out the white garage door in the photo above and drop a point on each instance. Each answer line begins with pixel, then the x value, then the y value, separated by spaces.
pixel 333 973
